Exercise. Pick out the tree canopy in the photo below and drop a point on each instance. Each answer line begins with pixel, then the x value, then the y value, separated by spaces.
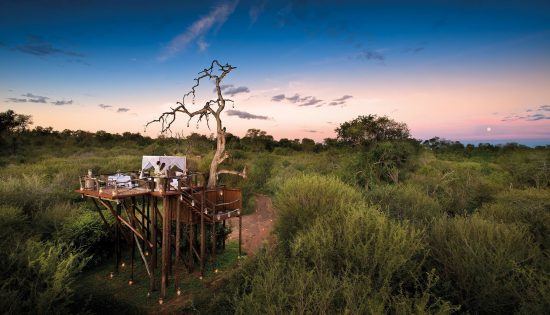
pixel 365 130
pixel 12 122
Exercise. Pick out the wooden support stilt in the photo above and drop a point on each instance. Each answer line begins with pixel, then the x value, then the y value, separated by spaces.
pixel 224 236
pixel 165 247
pixel 214 243
pixel 203 234
pixel 117 239
pixel 191 234
pixel 240 234
pixel 153 240
pixel 178 245
pixel 133 223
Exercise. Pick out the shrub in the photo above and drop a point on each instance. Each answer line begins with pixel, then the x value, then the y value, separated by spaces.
pixel 12 222
pixel 530 207
pixel 341 257
pixel 31 193
pixel 87 233
pixel 484 264
pixel 528 168
pixel 38 278
pixel 303 198
pixel 406 202
pixel 460 187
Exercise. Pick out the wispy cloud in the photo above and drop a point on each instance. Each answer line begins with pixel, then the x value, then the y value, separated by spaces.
pixel 368 54
pixel 28 97
pixel 36 45
pixel 536 114
pixel 231 90
pixel 298 99
pixel 245 115
pixel 104 106
pixel 122 110
pixel 340 101
pixel 215 18
pixel 414 49
pixel 16 100
pixel 61 103
pixel 256 10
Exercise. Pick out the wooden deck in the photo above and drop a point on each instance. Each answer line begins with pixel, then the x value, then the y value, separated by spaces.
pixel 107 193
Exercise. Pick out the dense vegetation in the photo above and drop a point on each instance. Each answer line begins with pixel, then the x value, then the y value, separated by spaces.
pixel 365 225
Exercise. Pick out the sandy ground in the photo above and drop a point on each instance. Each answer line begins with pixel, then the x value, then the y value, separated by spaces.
pixel 256 227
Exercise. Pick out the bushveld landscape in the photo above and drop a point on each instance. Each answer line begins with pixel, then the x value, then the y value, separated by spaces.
pixel 375 224
pixel 275 157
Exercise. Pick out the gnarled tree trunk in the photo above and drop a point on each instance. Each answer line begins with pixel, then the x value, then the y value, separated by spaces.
pixel 167 118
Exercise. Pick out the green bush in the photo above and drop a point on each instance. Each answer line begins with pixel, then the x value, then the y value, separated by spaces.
pixel 31 193
pixel 88 233
pixel 38 278
pixel 342 257
pixel 12 222
pixel 528 168
pixel 460 187
pixel 484 265
pixel 405 202
pixel 303 198
pixel 530 207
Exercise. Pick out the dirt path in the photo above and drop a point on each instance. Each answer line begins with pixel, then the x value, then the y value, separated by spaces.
pixel 256 227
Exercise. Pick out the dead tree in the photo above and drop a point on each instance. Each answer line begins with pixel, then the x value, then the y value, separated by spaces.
pixel 214 107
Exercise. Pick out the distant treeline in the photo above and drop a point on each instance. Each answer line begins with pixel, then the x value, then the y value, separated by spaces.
pixel 16 138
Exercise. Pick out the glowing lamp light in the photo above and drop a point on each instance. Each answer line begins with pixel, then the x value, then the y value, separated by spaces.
pixel 215 270
pixel 111 275
pixel 123 265
pixel 161 301
pixel 178 292
pixel 130 282
pixel 148 294
pixel 200 278
pixel 146 253
pixel 192 203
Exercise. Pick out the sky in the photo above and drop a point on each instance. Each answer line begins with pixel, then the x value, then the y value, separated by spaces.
pixel 472 71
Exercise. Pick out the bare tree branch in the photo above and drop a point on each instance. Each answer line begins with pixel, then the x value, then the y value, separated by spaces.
pixel 214 107
pixel 241 174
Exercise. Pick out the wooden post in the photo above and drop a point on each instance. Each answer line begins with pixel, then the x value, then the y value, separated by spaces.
pixel 203 236
pixel 165 246
pixel 117 238
pixel 240 233
pixel 148 214
pixel 133 223
pixel 154 242
pixel 143 220
pixel 191 235
pixel 224 236
pixel 213 242
pixel 178 238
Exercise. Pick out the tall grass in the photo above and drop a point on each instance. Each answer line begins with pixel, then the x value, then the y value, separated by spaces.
pixel 487 265
pixel 338 255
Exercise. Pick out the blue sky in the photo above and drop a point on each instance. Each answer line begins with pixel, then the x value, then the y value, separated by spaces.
pixel 467 70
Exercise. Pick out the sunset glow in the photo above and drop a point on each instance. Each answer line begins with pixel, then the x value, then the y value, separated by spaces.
pixel 469 72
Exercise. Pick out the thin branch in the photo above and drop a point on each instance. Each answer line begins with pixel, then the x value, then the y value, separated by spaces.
pixel 241 174
pixel 166 119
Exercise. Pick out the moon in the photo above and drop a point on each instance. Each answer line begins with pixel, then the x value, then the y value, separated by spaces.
pixel 489 129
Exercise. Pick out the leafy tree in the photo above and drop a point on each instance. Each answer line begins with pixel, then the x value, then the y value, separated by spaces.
pixel 365 130
pixel 12 122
